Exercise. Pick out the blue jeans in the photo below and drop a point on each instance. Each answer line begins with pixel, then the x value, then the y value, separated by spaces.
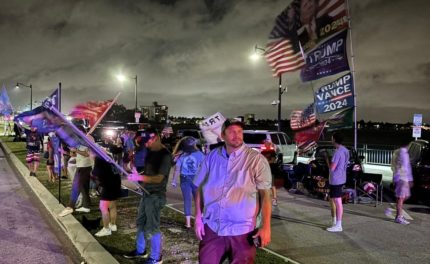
pixel 81 184
pixel 188 192
pixel 148 224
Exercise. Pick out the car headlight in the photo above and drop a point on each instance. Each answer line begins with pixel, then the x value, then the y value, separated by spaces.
pixel 109 133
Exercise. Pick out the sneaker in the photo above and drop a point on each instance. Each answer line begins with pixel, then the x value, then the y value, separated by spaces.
pixel 401 220
pixel 335 229
pixel 113 227
pixel 104 232
pixel 65 212
pixel 79 201
pixel 275 202
pixel 134 254
pixel 83 210
pixel 153 261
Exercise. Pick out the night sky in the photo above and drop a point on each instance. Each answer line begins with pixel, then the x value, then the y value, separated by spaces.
pixel 194 55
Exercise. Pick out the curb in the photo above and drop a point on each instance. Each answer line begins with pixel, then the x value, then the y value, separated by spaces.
pixel 89 248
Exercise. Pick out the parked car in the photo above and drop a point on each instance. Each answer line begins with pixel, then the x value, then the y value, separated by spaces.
pixel 419 155
pixel 286 149
pixel 108 129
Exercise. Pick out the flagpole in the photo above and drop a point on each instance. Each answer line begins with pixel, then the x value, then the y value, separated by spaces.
pixel 353 75
pixel 103 115
pixel 59 146
pixel 279 102
pixel 95 147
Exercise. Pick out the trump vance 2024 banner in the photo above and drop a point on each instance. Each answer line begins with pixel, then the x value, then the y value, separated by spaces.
pixel 336 95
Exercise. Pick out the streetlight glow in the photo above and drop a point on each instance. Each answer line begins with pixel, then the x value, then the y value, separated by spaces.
pixel 254 56
pixel 121 77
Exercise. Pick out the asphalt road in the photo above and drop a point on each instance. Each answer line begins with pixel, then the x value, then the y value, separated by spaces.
pixel 26 234
pixel 298 232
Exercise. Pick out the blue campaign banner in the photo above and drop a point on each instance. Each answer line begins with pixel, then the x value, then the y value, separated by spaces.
pixel 327 59
pixel 336 95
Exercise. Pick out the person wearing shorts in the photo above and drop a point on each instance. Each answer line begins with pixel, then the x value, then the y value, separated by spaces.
pixel 402 179
pixel 109 178
pixel 33 145
pixel 337 179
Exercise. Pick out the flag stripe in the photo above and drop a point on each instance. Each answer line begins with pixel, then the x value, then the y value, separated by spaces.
pixel 301 119
pixel 281 56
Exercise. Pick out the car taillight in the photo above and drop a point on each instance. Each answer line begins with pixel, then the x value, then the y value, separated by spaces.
pixel 356 167
pixel 267 148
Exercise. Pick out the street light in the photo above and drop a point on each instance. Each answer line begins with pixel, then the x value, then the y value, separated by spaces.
pixel 122 78
pixel 258 51
pixel 31 92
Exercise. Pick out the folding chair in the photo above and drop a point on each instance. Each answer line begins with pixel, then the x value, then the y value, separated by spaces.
pixel 366 191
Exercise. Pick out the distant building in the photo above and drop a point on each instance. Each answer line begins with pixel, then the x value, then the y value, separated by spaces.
pixel 155 112
pixel 249 119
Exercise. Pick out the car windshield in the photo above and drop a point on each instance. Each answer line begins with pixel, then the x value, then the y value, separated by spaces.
pixel 254 138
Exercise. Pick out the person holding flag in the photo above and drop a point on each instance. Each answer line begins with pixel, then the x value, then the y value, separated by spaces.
pixel 158 163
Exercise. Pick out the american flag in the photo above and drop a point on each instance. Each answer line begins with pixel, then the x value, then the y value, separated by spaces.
pixel 283 57
pixel 283 52
pixel 333 8
pixel 301 119
pixel 91 110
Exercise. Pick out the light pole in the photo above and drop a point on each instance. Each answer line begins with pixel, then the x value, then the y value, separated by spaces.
pixel 258 51
pixel 31 92
pixel 121 77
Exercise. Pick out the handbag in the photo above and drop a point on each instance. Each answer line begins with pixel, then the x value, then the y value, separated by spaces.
pixel 46 154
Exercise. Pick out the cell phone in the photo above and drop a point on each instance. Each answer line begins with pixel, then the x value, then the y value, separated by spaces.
pixel 257 241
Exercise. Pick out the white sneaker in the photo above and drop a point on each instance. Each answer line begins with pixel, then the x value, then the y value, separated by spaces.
pixel 65 212
pixel 103 232
pixel 401 220
pixel 79 201
pixel 83 210
pixel 335 229
pixel 113 228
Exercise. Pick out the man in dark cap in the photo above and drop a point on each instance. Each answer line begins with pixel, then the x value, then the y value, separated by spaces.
pixel 231 182
pixel 154 179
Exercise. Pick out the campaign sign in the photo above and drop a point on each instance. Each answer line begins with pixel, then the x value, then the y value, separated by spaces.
pixel 327 59
pixel 418 119
pixel 418 122
pixel 211 128
pixel 336 95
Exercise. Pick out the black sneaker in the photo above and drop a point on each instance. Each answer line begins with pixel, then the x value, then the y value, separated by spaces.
pixel 134 254
pixel 153 261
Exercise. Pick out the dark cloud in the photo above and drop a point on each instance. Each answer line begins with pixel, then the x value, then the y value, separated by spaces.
pixel 193 55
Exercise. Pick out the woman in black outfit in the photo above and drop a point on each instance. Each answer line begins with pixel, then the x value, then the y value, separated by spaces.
pixel 110 182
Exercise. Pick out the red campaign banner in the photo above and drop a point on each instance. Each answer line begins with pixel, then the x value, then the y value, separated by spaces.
pixel 91 110
pixel 307 138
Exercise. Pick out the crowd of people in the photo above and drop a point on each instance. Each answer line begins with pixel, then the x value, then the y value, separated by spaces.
pixel 232 187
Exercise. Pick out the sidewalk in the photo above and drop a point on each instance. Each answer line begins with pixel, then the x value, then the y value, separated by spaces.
pixel 91 251
pixel 299 222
